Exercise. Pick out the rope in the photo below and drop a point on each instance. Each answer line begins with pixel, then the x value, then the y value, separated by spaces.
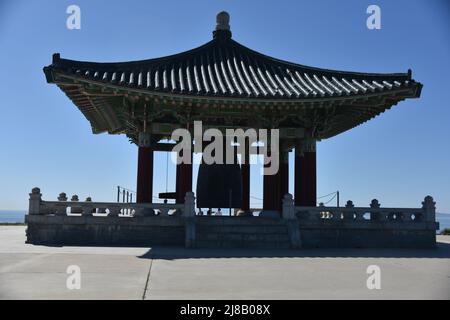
pixel 335 195
pixel 327 195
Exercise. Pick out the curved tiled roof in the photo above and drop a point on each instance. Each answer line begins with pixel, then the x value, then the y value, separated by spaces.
pixel 225 82
pixel 223 67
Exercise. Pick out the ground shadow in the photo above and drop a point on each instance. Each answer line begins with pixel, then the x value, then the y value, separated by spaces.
pixel 442 251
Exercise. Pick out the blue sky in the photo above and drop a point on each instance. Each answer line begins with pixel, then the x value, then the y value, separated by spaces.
pixel 398 157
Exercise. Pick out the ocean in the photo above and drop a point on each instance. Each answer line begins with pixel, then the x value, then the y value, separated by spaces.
pixel 12 216
pixel 18 216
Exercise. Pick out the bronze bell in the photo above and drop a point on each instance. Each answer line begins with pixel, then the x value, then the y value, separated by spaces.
pixel 219 185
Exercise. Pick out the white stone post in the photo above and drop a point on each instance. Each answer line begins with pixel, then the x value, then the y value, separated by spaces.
pixel 74 209
pixel 189 205
pixel 288 207
pixel 189 215
pixel 61 209
pixel 34 207
pixel 375 216
pixel 349 215
pixel 429 209
pixel 288 214
pixel 87 208
pixel 114 210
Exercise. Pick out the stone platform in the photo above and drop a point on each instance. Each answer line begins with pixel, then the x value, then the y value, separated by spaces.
pixel 91 223
pixel 226 232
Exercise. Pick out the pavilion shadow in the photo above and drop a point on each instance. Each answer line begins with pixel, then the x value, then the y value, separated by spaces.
pixel 442 251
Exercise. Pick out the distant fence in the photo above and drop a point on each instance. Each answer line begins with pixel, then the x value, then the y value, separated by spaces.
pixel 125 195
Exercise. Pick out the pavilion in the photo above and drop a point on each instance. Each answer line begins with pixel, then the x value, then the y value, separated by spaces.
pixel 228 86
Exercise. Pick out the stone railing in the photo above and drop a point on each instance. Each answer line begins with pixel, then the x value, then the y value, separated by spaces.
pixel 74 207
pixel 427 213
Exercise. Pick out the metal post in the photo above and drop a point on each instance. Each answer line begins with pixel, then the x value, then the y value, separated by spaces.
pixel 118 193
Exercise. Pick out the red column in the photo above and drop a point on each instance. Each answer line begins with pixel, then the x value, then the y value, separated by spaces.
pixel 305 177
pixel 277 185
pixel 245 172
pixel 144 192
pixel 183 180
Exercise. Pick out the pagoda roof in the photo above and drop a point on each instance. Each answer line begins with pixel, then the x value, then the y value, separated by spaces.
pixel 225 68
pixel 224 74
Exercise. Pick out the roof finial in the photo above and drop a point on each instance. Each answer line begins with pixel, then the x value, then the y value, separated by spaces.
pixel 223 21
pixel 222 26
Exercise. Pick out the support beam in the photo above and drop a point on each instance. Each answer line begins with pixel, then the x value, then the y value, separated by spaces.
pixel 305 184
pixel 144 190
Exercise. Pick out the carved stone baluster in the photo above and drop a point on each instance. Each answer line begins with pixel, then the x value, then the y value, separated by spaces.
pixel 383 216
pixel 139 211
pixel 35 202
pixel 336 215
pixel 323 214
pixel 75 209
pixel 87 207
pixel 375 215
pixel 429 209
pixel 288 211
pixel 407 216
pixel 163 211
pixel 349 215
pixel 359 215
pixel 94 209
pixel 189 205
pixel 114 210
pixel 61 208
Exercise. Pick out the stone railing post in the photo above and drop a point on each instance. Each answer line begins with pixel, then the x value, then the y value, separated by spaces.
pixel 288 211
pixel 114 210
pixel 189 205
pixel 34 207
pixel 288 215
pixel 429 209
pixel 87 208
pixel 61 209
pixel 349 215
pixel 189 215
pixel 375 216
pixel 74 209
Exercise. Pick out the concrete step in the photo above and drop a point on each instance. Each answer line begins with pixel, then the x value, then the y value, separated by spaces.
pixel 249 229
pixel 243 244
pixel 240 232
pixel 273 237
pixel 254 221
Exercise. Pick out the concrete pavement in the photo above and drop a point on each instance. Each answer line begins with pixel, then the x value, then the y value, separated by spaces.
pixel 38 272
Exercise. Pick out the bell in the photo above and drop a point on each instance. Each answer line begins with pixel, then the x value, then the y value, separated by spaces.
pixel 219 185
